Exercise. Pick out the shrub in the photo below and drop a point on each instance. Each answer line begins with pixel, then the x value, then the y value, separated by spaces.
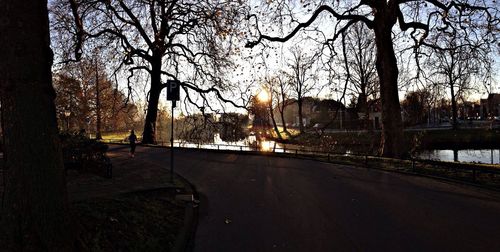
pixel 85 154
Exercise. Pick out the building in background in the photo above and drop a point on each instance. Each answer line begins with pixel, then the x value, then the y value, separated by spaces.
pixel 490 107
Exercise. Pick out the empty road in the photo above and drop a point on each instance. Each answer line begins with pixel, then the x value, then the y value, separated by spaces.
pixel 263 203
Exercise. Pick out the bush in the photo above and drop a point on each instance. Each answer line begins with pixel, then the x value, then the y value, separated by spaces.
pixel 85 154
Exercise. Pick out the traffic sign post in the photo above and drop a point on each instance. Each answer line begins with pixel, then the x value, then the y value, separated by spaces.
pixel 173 91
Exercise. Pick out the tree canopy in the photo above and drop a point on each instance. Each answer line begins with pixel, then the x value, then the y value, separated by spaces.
pixel 418 20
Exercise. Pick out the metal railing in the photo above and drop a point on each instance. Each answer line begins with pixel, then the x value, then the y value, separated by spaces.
pixel 488 175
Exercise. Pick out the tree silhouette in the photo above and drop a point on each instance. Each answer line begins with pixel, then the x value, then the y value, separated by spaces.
pixel 360 49
pixel 92 107
pixel 417 18
pixel 303 79
pixel 457 61
pixel 182 40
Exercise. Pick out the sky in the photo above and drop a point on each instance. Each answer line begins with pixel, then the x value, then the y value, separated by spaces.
pixel 257 63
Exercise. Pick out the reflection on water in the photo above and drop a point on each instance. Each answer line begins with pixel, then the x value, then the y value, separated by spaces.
pixel 250 143
pixel 477 156
pixel 256 143
pixel 267 145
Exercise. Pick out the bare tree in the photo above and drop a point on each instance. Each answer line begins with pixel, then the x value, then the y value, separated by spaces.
pixel 418 18
pixel 281 94
pixel 270 85
pixel 68 97
pixel 35 211
pixel 182 40
pixel 363 79
pixel 304 77
pixel 85 91
pixel 458 63
pixel 414 106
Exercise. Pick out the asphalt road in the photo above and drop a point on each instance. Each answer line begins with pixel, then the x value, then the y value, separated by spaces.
pixel 263 203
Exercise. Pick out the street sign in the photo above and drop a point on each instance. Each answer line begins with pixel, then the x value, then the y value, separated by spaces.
pixel 173 90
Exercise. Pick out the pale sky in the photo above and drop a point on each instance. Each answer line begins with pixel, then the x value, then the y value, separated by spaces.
pixel 251 63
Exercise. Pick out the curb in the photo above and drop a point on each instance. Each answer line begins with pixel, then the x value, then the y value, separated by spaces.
pixel 333 161
pixel 416 174
pixel 442 179
pixel 185 239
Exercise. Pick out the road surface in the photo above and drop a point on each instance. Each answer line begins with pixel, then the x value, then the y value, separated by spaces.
pixel 263 203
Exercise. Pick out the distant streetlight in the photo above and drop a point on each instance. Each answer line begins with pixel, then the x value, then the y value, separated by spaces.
pixel 67 113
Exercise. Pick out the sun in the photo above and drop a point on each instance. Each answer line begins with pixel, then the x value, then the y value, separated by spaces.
pixel 263 96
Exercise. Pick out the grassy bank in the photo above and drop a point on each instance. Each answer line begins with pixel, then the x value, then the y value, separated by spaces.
pixel 460 139
pixel 479 174
pixel 484 175
pixel 415 140
pixel 140 221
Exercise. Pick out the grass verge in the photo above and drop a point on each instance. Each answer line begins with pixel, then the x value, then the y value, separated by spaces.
pixel 139 221
pixel 484 175
pixel 369 142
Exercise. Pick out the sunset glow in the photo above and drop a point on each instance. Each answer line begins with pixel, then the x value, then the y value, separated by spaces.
pixel 263 96
pixel 266 146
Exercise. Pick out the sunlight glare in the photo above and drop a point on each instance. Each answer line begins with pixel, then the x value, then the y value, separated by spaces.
pixel 263 96
pixel 266 146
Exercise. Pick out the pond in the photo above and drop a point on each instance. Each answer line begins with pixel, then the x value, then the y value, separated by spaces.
pixel 250 143
pixel 486 156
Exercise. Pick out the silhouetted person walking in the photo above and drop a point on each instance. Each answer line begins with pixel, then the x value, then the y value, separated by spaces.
pixel 132 139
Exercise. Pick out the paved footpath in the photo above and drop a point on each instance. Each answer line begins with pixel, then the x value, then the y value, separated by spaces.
pixel 129 174
pixel 262 203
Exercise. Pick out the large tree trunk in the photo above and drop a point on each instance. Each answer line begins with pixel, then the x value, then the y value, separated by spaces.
pixel 97 103
pixel 35 212
pixel 271 113
pixel 454 110
pixel 149 133
pixel 282 115
pixel 301 124
pixel 387 69
pixel 362 107
pixel 281 108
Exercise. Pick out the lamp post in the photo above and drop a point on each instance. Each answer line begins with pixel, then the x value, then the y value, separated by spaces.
pixel 67 113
